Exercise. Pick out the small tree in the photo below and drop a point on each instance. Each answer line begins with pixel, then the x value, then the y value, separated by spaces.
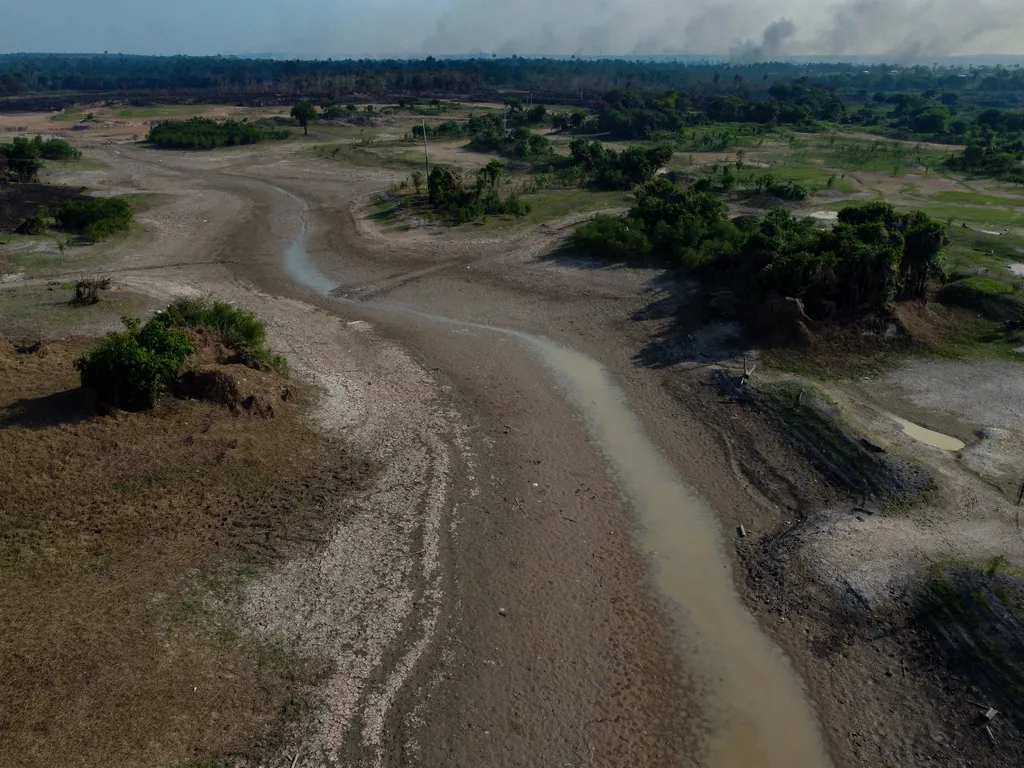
pixel 417 180
pixel 304 111
pixel 492 172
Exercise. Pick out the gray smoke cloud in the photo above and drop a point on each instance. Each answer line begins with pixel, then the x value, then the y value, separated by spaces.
pixel 772 46
pixel 745 29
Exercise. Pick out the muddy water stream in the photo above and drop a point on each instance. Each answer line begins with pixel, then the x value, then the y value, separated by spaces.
pixel 928 436
pixel 756 712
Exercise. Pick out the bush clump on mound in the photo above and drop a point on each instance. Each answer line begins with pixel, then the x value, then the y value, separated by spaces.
pixel 128 369
pixel 238 329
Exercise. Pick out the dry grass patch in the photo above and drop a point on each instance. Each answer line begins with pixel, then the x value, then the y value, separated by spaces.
pixel 124 540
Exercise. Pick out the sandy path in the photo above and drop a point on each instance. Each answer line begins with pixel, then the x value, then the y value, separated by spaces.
pixel 513 493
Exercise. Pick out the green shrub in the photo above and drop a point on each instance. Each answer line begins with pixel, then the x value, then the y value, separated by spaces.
pixel 129 369
pixel 96 218
pixel 35 223
pixel 204 133
pixel 58 149
pixel 609 237
pixel 238 329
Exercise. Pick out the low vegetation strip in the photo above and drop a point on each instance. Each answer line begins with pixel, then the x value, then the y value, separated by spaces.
pixel 205 133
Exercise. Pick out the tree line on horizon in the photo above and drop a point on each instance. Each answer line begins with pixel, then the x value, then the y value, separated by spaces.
pixel 548 77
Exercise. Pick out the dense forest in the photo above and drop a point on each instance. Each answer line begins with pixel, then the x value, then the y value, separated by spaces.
pixel 870 257
pixel 548 78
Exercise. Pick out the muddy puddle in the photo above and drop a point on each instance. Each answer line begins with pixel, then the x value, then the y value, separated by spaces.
pixel 928 436
pixel 754 707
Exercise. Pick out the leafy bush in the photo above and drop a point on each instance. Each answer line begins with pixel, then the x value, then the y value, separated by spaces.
pixel 58 149
pixel 129 369
pixel 96 218
pixel 238 329
pixel 610 237
pixel 205 133
pixel 24 159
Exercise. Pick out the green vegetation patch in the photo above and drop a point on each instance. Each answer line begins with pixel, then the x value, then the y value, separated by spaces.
pixel 22 159
pixel 871 256
pixel 205 133
pixel 96 218
pixel 129 369
pixel 237 329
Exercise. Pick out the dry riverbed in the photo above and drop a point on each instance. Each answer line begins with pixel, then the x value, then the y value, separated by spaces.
pixel 546 568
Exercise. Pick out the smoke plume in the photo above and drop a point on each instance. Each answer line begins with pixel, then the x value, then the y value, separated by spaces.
pixel 746 30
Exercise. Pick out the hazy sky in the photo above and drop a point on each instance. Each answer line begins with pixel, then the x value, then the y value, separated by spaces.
pixel 341 28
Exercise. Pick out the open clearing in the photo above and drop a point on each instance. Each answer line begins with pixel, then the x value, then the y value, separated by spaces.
pixel 511 587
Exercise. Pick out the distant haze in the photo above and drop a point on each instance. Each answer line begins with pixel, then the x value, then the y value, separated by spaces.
pixel 740 29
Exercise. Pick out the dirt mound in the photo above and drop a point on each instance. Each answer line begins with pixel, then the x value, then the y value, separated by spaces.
pixel 209 349
pixel 842 457
pixel 235 389
pixel 782 320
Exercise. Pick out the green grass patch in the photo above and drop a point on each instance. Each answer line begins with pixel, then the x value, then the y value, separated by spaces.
pixel 70 116
pixel 553 204
pixel 962 336
pixel 974 614
pixel 141 202
pixel 81 164
pixel 29 312
pixel 984 215
pixel 815 426
pixel 156 111
pixel 973 198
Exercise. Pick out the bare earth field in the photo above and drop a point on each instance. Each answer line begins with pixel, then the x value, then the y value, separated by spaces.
pixel 544 568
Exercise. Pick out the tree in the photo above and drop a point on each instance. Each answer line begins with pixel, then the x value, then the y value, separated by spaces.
pixel 514 105
pixel 492 172
pixel 304 111
pixel 417 180
pixel 538 114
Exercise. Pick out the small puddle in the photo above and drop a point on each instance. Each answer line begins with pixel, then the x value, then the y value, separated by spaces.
pixel 754 707
pixel 928 436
